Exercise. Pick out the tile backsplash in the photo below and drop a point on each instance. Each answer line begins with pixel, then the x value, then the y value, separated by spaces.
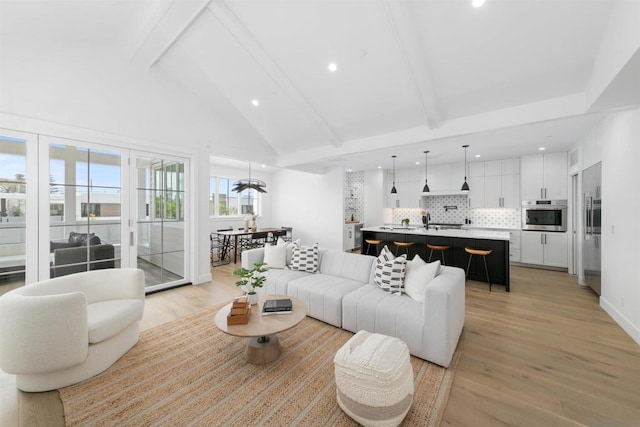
pixel 454 210
pixel 354 196
pixel 443 209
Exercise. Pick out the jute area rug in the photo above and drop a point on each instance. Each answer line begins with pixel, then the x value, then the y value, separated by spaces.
pixel 187 372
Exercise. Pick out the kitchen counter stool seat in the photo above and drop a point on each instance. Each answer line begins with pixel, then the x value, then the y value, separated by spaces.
pixel 480 252
pixel 440 248
pixel 375 242
pixel 405 245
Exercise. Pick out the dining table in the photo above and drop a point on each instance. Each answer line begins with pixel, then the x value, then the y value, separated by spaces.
pixel 235 234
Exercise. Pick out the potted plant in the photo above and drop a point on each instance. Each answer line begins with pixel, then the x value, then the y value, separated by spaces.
pixel 405 222
pixel 251 279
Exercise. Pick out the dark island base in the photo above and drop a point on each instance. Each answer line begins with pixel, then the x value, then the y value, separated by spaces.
pixel 497 262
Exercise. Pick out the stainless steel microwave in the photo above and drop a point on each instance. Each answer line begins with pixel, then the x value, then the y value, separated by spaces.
pixel 544 215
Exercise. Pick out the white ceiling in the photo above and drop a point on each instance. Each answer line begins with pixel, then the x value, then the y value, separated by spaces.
pixel 412 75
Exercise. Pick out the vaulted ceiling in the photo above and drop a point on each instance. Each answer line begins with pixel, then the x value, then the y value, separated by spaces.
pixel 505 78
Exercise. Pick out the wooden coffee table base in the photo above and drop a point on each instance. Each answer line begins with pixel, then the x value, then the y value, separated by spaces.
pixel 263 350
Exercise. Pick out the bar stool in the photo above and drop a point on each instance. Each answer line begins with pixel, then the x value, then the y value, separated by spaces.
pixel 375 242
pixel 405 245
pixel 483 253
pixel 440 248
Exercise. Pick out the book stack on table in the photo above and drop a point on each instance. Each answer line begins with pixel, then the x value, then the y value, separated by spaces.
pixel 240 312
pixel 277 306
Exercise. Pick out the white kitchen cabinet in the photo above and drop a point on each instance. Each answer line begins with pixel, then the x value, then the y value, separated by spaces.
pixel 544 248
pixel 349 241
pixel 477 192
pixel 446 177
pixel 544 177
pixel 514 245
pixel 409 183
pixel 496 189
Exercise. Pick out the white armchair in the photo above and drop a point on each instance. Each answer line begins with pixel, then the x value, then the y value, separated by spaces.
pixel 61 331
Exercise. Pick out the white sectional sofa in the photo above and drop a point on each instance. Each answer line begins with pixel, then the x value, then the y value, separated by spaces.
pixel 342 294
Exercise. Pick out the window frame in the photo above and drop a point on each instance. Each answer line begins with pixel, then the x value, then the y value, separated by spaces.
pixel 214 199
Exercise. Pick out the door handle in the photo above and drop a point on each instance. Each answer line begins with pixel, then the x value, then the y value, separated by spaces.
pixel 131 239
pixel 541 239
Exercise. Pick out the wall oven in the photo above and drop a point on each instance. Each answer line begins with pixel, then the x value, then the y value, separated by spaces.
pixel 544 215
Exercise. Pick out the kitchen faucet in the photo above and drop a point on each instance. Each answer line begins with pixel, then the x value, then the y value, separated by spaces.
pixel 425 220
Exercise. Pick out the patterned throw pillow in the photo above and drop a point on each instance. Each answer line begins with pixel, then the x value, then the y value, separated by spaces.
pixel 305 259
pixel 390 271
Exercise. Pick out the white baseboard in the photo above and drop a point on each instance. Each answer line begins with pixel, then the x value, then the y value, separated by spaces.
pixel 203 278
pixel 625 324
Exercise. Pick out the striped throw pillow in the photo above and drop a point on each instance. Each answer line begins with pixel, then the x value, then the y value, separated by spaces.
pixel 390 271
pixel 304 259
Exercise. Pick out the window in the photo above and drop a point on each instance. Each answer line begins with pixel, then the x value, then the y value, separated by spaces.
pixel 223 201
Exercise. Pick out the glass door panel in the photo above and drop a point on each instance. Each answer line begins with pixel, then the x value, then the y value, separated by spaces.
pixel 85 209
pixel 13 207
pixel 160 203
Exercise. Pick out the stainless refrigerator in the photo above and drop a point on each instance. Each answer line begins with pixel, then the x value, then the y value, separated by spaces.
pixel 591 242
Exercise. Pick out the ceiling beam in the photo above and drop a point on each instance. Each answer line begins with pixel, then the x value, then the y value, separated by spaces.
pixel 166 29
pixel 221 11
pixel 414 58
pixel 536 112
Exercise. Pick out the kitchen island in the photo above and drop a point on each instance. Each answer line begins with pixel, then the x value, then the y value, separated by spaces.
pixel 458 239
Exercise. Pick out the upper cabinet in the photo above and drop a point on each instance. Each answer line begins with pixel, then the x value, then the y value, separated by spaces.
pixel 409 183
pixel 544 177
pixel 494 184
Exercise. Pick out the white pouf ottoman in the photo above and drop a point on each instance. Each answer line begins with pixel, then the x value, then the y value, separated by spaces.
pixel 374 379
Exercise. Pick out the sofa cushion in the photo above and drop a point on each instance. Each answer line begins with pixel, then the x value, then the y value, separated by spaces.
pixel 417 277
pixel 305 259
pixel 108 318
pixel 323 294
pixel 372 309
pixel 347 265
pixel 80 239
pixel 278 280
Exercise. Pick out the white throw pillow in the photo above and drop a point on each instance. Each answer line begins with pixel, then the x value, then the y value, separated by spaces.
pixel 289 248
pixel 418 277
pixel 275 256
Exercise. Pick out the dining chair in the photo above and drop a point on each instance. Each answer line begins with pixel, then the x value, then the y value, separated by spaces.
pixel 220 247
pixel 273 239
pixel 288 237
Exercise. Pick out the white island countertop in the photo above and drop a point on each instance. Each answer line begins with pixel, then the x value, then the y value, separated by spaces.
pixel 460 233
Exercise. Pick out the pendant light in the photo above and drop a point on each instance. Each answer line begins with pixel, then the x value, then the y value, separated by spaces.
pixel 465 186
pixel 425 189
pixel 245 183
pixel 393 189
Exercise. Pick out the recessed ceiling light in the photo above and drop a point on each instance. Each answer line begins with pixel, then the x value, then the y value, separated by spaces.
pixel 379 167
pixel 478 3
pixel 477 155
pixel 264 166
pixel 541 148
pixel 417 163
pixel 255 102
pixel 333 67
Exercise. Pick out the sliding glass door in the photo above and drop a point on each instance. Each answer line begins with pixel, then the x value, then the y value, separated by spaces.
pixel 18 254
pixel 160 203
pixel 85 208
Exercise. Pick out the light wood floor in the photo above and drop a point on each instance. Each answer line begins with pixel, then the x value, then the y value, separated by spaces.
pixel 543 355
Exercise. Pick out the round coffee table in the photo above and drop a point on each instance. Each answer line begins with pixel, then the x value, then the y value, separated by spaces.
pixel 263 345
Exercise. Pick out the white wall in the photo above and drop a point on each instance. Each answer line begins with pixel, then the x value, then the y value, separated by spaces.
pixel 373 197
pixel 312 204
pixel 615 143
